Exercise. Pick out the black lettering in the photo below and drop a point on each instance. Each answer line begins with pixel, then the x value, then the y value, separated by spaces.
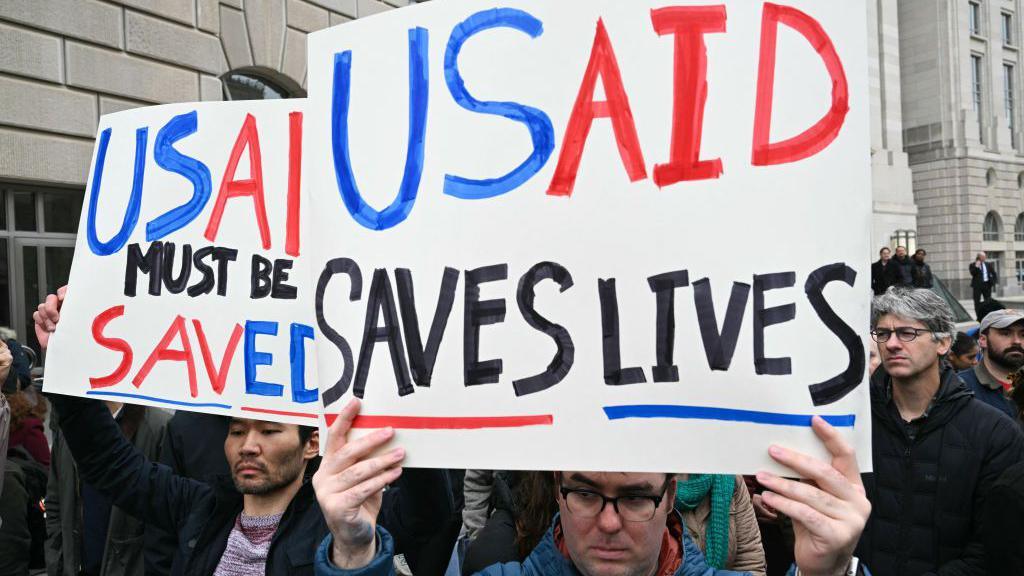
pixel 223 256
pixel 614 374
pixel 479 313
pixel 719 346
pixel 664 286
pixel 261 283
pixel 836 387
pixel 765 317
pixel 331 269
pixel 564 350
pixel 176 284
pixel 281 290
pixel 151 263
pixel 381 299
pixel 205 285
pixel 422 359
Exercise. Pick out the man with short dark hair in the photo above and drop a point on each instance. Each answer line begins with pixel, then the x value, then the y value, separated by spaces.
pixel 879 280
pixel 1001 337
pixel 898 270
pixel 609 523
pixel 263 519
pixel 936 449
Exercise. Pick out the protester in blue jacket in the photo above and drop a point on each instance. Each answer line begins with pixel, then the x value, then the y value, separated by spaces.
pixel 609 523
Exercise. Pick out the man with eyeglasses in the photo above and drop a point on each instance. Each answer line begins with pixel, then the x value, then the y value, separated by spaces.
pixel 609 523
pixel 936 449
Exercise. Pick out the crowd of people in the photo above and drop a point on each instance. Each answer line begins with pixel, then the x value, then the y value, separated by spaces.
pixel 124 489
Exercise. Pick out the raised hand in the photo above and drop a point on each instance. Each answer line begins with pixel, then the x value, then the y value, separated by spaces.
pixel 47 315
pixel 349 487
pixel 829 509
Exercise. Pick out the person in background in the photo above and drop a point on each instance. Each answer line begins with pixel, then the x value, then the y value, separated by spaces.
pixel 717 511
pixel 920 271
pixel 5 412
pixel 874 360
pixel 29 454
pixel 898 270
pixel 1001 337
pixel 936 449
pixel 983 278
pixel 1003 523
pixel 879 280
pixel 964 353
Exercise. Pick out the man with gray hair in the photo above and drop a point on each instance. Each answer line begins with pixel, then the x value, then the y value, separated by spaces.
pixel 936 449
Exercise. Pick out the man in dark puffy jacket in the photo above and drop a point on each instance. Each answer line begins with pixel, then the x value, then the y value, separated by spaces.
pixel 899 270
pixel 936 449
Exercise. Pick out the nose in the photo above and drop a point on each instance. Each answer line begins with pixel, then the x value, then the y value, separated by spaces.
pixel 609 521
pixel 251 444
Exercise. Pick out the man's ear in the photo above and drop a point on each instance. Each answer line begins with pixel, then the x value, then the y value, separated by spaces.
pixel 312 448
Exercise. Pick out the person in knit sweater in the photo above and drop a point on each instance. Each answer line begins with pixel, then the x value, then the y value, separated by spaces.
pixel 717 511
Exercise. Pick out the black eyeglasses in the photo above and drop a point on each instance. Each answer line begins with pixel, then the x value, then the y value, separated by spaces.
pixel 904 333
pixel 586 503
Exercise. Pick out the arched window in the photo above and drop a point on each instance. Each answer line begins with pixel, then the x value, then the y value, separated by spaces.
pixel 249 84
pixel 1018 228
pixel 993 227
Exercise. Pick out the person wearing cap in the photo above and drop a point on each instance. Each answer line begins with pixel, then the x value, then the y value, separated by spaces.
pixel 937 450
pixel 1001 337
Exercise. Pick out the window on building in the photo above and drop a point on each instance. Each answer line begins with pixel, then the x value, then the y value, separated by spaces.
pixel 974 18
pixel 1018 228
pixel 1018 265
pixel 252 85
pixel 992 228
pixel 37 241
pixel 905 238
pixel 1009 101
pixel 1009 39
pixel 977 85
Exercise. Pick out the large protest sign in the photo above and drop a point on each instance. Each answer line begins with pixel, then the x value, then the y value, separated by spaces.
pixel 550 235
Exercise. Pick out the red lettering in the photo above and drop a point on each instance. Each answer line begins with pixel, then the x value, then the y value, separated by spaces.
pixel 817 137
pixel 218 377
pixel 291 244
pixel 688 25
pixel 163 352
pixel 603 63
pixel 116 344
pixel 252 186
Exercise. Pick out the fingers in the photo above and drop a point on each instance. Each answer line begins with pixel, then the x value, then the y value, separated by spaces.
pixel 61 292
pixel 357 450
pixel 336 434
pixel 824 475
pixel 762 510
pixel 844 458
pixel 355 496
pixel 807 494
pixel 801 513
pixel 359 473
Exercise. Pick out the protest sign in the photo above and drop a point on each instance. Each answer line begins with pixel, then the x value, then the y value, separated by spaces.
pixel 584 234
pixel 188 289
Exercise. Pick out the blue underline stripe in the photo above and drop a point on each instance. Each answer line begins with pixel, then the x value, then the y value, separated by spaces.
pixel 726 414
pixel 155 399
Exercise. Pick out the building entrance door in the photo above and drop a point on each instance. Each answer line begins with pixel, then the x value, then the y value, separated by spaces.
pixel 45 265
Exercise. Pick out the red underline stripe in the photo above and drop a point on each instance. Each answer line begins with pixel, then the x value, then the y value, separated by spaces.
pixel 447 422
pixel 279 412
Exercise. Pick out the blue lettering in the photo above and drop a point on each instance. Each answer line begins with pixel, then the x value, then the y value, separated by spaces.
pixel 131 215
pixel 536 121
pixel 193 170
pixel 254 359
pixel 297 355
pixel 418 93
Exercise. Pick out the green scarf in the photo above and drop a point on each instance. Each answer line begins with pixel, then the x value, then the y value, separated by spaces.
pixel 689 495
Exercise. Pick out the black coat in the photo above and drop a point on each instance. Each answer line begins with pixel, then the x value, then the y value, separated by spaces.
pixel 899 273
pixel 879 279
pixel 927 494
pixel 1004 523
pixel 976 280
pixel 203 514
pixel 921 272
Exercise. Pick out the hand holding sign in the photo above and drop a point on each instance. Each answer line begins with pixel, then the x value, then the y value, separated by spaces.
pixel 349 487
pixel 829 510
pixel 47 315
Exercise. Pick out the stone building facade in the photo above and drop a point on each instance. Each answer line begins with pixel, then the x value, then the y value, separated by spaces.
pixel 64 63
pixel 960 66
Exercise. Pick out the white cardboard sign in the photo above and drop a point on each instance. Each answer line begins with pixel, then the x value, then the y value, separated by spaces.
pixel 592 235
